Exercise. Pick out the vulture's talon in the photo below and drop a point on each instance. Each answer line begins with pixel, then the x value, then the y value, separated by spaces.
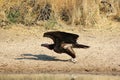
pixel 74 60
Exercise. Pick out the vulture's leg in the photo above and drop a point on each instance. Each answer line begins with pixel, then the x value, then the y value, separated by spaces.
pixel 70 52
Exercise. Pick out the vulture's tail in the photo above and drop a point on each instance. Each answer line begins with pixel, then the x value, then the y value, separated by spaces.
pixel 80 46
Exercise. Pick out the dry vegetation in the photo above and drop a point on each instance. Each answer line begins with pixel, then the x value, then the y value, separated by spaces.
pixel 58 12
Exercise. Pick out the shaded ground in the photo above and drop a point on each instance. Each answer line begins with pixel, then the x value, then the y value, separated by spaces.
pixel 20 52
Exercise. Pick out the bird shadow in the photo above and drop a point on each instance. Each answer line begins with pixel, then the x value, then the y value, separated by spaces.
pixel 41 57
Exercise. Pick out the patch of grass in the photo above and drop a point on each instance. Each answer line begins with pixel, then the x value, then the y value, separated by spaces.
pixel 51 22
pixel 13 15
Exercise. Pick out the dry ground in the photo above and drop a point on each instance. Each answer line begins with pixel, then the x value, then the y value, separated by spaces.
pixel 20 51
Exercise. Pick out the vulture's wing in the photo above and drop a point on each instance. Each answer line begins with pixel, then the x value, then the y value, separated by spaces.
pixel 52 35
pixel 80 46
pixel 62 36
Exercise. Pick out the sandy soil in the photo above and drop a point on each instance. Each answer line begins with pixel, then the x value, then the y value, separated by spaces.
pixel 20 52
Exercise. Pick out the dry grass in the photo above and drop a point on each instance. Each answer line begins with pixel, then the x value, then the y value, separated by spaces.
pixel 70 12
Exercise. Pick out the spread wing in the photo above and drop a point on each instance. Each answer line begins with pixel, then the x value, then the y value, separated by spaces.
pixel 59 37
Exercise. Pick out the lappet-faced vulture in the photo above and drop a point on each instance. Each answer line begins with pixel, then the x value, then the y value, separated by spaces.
pixel 63 43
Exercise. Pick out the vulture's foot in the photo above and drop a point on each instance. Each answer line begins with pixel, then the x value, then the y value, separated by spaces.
pixel 74 60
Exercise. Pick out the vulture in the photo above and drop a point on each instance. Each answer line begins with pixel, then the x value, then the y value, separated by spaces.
pixel 64 42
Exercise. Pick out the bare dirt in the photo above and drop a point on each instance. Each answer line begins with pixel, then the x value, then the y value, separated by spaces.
pixel 21 51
